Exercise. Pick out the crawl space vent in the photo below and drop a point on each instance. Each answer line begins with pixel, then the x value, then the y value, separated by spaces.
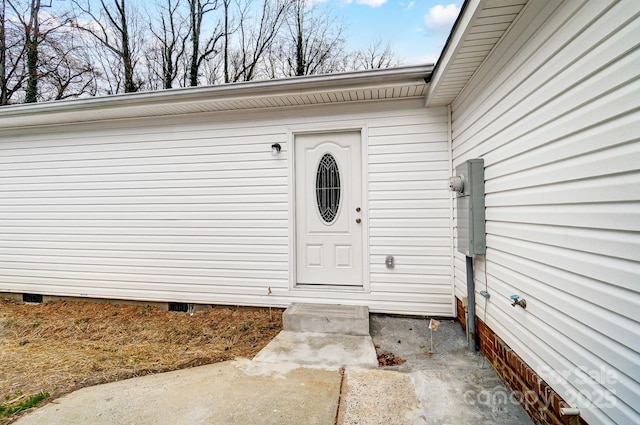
pixel 32 298
pixel 181 307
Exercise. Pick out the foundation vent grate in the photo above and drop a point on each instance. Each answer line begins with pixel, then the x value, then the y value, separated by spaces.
pixel 180 307
pixel 32 298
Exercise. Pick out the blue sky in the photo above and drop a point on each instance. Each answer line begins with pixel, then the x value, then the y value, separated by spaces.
pixel 416 29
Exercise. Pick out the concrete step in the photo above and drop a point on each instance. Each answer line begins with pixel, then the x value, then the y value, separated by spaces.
pixel 319 350
pixel 327 318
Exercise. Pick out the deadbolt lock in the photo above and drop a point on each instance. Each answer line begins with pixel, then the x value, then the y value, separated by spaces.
pixel 358 209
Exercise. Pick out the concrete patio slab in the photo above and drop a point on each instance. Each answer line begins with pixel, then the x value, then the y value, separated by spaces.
pixel 453 386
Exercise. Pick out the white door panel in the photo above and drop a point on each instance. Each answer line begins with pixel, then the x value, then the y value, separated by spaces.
pixel 328 209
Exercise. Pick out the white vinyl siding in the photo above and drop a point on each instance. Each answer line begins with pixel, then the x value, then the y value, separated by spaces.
pixel 409 209
pixel 195 209
pixel 158 212
pixel 554 112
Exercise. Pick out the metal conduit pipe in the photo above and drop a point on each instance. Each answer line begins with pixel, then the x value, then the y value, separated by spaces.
pixel 471 306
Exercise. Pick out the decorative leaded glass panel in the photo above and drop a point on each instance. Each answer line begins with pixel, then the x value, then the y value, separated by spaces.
pixel 328 188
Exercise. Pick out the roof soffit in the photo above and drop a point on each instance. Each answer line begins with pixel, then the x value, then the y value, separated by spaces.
pixel 361 86
pixel 479 28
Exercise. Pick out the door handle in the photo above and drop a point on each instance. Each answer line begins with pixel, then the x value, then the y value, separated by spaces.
pixel 358 220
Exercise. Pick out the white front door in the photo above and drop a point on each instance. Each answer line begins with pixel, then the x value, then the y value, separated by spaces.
pixel 329 215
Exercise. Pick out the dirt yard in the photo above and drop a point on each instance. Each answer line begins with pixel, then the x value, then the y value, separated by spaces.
pixel 60 347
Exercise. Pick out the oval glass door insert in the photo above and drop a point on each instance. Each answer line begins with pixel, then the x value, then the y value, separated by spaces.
pixel 328 188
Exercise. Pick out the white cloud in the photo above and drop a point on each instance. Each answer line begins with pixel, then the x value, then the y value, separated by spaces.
pixel 441 17
pixel 421 60
pixel 371 3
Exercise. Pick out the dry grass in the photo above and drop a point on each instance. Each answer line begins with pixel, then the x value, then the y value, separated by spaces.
pixel 63 346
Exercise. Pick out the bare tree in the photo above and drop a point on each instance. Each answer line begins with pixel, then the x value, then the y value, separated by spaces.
pixel 36 31
pixel 315 42
pixel 12 49
pixel 3 36
pixel 256 35
pixel 66 70
pixel 3 53
pixel 226 30
pixel 44 56
pixel 171 38
pixel 31 26
pixel 201 51
pixel 38 55
pixel 212 70
pixel 376 56
pixel 112 78
pixel 115 28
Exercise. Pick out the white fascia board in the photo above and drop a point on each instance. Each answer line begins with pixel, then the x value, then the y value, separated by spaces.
pixel 205 94
pixel 470 11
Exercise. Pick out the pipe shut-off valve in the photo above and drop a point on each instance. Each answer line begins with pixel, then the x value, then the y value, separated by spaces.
pixel 517 301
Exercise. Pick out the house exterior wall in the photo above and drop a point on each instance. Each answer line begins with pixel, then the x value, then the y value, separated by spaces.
pixel 554 112
pixel 196 209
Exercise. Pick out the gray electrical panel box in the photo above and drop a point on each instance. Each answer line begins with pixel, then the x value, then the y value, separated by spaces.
pixel 468 183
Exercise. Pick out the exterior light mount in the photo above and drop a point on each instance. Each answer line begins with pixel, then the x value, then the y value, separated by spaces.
pixel 275 149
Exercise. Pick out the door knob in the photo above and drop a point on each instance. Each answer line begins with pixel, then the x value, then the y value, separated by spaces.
pixel 358 220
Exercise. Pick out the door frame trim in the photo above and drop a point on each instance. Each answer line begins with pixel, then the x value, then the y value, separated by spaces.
pixel 292 133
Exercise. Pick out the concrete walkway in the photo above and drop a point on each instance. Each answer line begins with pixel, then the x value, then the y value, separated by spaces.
pixel 235 392
pixel 451 386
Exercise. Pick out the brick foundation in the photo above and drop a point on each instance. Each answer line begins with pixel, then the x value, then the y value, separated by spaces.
pixel 538 399
pixel 461 313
